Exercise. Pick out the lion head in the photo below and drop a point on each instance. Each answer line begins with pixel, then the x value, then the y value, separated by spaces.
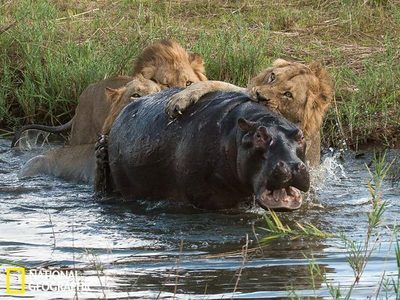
pixel 301 93
pixel 119 98
pixel 138 87
pixel 168 64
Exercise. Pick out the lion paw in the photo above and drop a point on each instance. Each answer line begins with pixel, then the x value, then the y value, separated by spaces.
pixel 101 148
pixel 102 181
pixel 181 101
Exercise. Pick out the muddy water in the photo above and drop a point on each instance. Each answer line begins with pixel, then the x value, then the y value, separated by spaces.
pixel 152 249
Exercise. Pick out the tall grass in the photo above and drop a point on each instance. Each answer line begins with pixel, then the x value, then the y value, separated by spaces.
pixel 57 48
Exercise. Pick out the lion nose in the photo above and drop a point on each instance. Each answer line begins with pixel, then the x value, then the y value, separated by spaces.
pixel 261 98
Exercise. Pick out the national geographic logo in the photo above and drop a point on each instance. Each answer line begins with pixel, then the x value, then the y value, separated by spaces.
pixel 19 280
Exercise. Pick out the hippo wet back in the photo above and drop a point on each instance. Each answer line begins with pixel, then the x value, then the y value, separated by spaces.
pixel 223 150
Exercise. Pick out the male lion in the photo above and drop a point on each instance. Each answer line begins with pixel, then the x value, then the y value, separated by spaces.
pixel 162 64
pixel 301 93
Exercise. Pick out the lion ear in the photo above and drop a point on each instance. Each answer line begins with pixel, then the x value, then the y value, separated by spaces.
pixel 111 93
pixel 319 100
pixel 197 64
pixel 325 83
pixel 280 63
pixel 148 72
pixel 139 76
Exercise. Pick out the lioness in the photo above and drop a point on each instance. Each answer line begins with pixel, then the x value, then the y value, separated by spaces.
pixel 301 93
pixel 161 65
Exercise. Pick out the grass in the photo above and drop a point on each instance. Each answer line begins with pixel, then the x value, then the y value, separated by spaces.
pixel 54 49
pixel 276 229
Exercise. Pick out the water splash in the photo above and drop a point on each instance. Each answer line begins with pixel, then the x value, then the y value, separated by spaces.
pixel 330 171
pixel 31 139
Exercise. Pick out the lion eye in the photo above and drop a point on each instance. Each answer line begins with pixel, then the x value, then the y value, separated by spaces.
pixel 134 96
pixel 271 78
pixel 288 94
pixel 188 83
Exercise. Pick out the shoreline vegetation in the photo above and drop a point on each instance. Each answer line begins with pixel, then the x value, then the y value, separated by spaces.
pixel 51 50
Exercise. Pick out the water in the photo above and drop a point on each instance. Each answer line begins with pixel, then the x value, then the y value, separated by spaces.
pixel 157 250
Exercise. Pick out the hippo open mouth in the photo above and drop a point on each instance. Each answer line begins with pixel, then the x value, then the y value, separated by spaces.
pixel 284 199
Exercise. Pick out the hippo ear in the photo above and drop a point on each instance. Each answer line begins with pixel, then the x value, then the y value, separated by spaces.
pixel 262 138
pixel 245 125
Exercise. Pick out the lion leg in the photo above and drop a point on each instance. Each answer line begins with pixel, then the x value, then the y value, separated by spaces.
pixel 192 94
pixel 102 180
pixel 313 150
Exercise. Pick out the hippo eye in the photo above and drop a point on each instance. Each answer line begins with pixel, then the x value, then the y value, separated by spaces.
pixel 134 96
pixel 271 78
pixel 288 95
pixel 188 83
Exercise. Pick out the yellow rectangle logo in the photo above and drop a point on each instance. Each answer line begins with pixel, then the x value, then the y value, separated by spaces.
pixel 21 272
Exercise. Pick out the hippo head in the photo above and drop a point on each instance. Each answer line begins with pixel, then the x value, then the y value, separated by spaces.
pixel 270 161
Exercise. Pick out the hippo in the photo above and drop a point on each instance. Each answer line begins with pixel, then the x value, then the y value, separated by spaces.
pixel 223 150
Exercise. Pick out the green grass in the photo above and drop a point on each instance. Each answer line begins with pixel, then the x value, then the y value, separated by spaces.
pixel 56 48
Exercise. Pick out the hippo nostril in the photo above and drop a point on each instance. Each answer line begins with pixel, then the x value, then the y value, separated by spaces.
pixel 281 176
pixel 281 169
pixel 300 168
pixel 301 178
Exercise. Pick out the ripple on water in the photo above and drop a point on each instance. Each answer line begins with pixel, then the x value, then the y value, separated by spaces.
pixel 49 222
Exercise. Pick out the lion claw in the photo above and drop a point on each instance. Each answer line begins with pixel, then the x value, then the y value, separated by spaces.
pixel 101 148
pixel 176 106
pixel 102 182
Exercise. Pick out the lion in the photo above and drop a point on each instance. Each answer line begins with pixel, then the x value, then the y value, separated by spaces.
pixel 169 65
pixel 301 93
pixel 161 65
pixel 120 97
pixel 73 163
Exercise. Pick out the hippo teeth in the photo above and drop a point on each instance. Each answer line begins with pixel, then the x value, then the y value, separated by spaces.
pixel 279 194
pixel 288 198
